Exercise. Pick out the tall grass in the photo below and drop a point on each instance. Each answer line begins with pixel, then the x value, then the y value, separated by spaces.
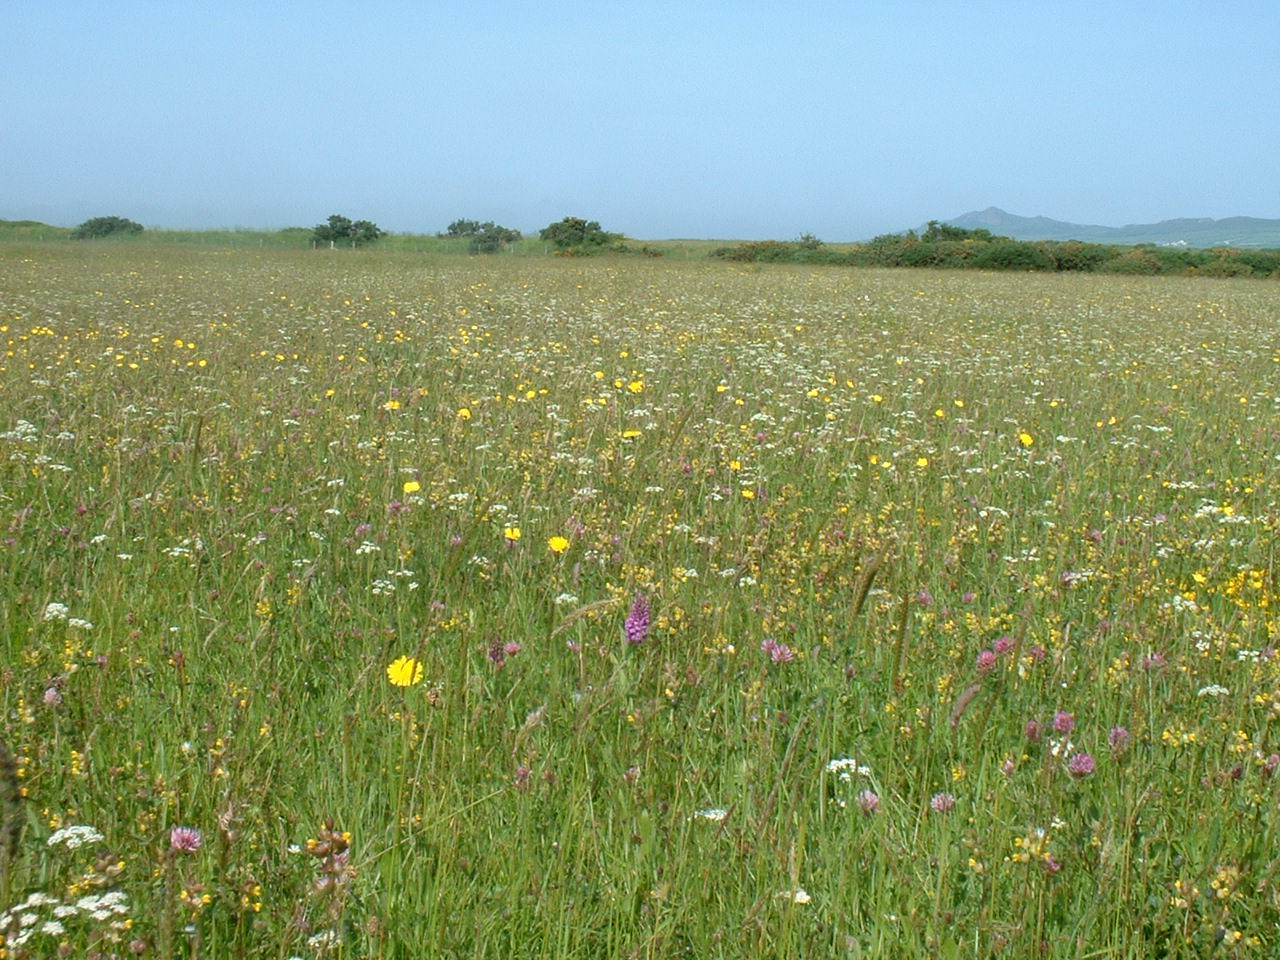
pixel 962 586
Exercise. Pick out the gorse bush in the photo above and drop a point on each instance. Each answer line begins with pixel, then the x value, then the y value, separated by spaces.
pixel 99 227
pixel 576 232
pixel 342 230
pixel 954 248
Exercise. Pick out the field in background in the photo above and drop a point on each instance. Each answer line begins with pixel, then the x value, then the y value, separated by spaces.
pixel 962 608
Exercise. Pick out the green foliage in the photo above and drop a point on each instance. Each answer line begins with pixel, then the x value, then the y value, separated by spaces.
pixel 462 228
pixel 935 231
pixel 1013 255
pixel 98 227
pixel 944 246
pixel 343 230
pixel 487 237
pixel 576 233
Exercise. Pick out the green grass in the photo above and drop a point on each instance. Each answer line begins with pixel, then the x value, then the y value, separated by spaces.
pixel 204 454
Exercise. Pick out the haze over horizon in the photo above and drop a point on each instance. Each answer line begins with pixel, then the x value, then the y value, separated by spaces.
pixel 722 120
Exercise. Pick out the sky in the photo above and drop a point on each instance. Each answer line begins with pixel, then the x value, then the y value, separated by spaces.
pixel 695 119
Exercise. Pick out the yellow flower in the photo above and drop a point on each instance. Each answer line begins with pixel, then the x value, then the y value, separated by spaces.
pixel 391 405
pixel 630 434
pixel 512 534
pixel 405 672
pixel 636 386
pixel 464 413
pixel 557 544
pixel 748 494
pixel 1026 439
pixel 922 462
pixel 412 486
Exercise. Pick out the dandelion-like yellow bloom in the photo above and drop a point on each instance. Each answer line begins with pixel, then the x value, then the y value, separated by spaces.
pixel 557 544
pixel 412 486
pixel 405 672
pixel 464 413
pixel 1026 439
pixel 512 534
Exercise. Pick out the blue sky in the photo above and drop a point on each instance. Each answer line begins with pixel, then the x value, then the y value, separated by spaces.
pixel 727 120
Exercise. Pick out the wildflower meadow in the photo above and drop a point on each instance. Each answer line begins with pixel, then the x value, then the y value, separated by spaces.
pixel 365 604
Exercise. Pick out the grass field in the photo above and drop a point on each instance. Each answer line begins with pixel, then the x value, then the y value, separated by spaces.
pixel 749 611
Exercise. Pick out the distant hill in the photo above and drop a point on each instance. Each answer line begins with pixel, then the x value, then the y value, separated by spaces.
pixel 1185 232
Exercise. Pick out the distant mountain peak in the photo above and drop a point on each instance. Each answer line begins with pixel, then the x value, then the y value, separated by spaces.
pixel 1186 231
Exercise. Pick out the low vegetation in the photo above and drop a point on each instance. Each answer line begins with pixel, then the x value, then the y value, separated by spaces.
pixel 378 606
pixel 954 248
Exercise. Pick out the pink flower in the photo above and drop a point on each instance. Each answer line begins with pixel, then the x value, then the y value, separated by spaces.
pixel 636 627
pixel 986 661
pixel 185 840
pixel 1004 644
pixel 1081 765
pixel 1063 722
pixel 869 801
pixel 1118 738
pixel 778 652
pixel 1034 730
pixel 942 803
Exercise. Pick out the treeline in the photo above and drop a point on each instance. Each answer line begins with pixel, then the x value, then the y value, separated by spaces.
pixel 943 246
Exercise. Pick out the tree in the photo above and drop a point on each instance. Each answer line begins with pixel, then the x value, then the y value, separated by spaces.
pixel 487 237
pixel 340 229
pixel 576 232
pixel 462 228
pixel 105 227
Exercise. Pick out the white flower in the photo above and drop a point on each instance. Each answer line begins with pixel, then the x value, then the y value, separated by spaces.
pixel 712 813
pixel 75 836
pixel 322 940
pixel 56 611
pixel 79 624
pixel 798 895
pixel 1213 690
pixel 53 928
pixel 846 767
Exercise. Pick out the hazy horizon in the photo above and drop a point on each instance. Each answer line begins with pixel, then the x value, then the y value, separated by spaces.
pixel 720 121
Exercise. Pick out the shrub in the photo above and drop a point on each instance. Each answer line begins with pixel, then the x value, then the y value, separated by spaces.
pixel 1012 255
pixel 1134 261
pixel 1226 267
pixel 98 227
pixel 576 232
pixel 487 237
pixel 1074 255
pixel 340 229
